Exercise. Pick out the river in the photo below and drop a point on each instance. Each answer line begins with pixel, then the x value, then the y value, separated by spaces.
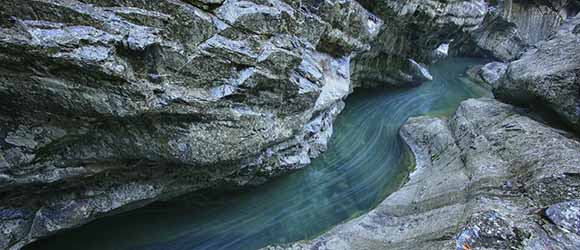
pixel 366 160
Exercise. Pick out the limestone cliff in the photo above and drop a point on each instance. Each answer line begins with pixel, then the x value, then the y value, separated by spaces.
pixel 492 176
pixel 511 26
pixel 107 105
pixel 412 30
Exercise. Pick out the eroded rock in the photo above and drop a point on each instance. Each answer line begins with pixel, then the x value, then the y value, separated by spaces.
pixel 511 26
pixel 482 181
pixel 412 30
pixel 548 75
pixel 107 105
pixel 488 74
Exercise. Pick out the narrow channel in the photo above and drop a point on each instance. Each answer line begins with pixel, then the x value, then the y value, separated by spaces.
pixel 365 161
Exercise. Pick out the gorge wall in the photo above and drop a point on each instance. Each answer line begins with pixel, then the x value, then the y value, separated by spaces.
pixel 411 32
pixel 511 26
pixel 548 75
pixel 493 175
pixel 110 105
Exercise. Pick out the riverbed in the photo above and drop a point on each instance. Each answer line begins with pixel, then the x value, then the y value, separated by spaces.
pixel 365 162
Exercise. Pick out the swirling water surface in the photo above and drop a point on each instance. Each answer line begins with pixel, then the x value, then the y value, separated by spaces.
pixel 365 161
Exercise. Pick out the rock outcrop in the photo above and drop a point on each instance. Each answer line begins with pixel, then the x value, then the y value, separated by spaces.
pixel 512 26
pixel 412 30
pixel 488 74
pixel 488 178
pixel 107 105
pixel 548 75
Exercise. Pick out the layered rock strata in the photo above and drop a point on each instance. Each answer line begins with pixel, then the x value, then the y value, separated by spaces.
pixel 512 26
pixel 109 105
pixel 487 178
pixel 412 30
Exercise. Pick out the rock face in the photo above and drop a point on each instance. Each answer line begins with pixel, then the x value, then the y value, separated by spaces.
pixel 488 178
pixel 548 75
pixel 411 32
pixel 488 74
pixel 106 105
pixel 511 26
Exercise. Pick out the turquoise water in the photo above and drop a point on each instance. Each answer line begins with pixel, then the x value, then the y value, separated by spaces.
pixel 366 160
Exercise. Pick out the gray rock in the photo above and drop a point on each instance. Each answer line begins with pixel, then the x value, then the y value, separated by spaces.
pixel 108 105
pixel 511 27
pixel 440 52
pixel 492 72
pixel 566 215
pixel 548 76
pixel 482 180
pixel 412 31
pixel 488 74
pixel 419 72
pixel 496 38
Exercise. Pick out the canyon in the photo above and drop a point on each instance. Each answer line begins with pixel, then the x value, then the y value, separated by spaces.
pixel 112 105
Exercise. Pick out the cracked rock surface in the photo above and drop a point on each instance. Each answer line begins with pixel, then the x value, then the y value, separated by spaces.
pixel 511 26
pixel 108 105
pixel 412 31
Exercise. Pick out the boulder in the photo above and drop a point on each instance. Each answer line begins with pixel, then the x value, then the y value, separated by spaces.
pixel 486 178
pixel 488 74
pixel 548 76
pixel 566 215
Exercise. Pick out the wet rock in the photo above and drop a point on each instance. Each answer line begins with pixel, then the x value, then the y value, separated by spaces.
pixel 547 76
pixel 420 73
pixel 477 185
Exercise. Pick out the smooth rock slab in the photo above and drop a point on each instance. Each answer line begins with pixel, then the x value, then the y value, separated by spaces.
pixel 469 187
